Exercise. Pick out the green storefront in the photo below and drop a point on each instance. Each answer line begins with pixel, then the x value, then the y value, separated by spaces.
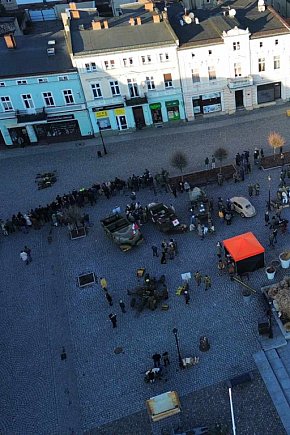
pixel 172 108
pixel 156 113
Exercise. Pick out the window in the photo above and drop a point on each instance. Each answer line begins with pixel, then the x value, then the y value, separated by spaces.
pixel 2 84
pixel 6 104
pixel 48 99
pixel 68 96
pixel 209 52
pixel 96 89
pixel 21 82
pixel 27 101
pixel 192 54
pixel 261 44
pixel 238 69
pixel 62 78
pixel 150 83
pixel 91 66
pixel 163 57
pixel 128 61
pixel 42 80
pixel 146 59
pixel 115 89
pixel 167 80
pixel 133 88
pixel 276 62
pixel 195 76
pixel 109 64
pixel 236 46
pixel 261 64
pixel 276 41
pixel 211 73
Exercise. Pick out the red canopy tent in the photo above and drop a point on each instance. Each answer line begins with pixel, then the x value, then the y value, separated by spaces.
pixel 246 251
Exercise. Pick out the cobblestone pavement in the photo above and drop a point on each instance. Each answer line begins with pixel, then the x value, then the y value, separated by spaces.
pixel 43 310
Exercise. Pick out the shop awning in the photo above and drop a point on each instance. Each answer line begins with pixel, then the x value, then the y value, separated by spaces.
pixel 243 246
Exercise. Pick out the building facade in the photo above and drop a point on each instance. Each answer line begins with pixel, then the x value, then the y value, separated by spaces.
pixel 41 97
pixel 131 85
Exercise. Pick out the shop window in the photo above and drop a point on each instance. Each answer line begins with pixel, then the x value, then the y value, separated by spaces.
pixel 27 101
pixel 156 112
pixel 48 99
pixel 68 96
pixel 195 76
pixel 211 73
pixel 96 90
pixel 236 46
pixel 21 82
pixel 150 83
pixel 104 123
pixel 276 62
pixel 268 92
pixel 109 64
pixel 6 104
pixel 167 81
pixel 238 69
pixel 115 89
pixel 133 88
pixel 261 64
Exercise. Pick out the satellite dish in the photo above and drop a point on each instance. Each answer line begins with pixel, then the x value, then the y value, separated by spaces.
pixel 232 13
pixel 187 19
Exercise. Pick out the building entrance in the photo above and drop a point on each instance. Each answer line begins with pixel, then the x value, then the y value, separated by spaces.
pixel 239 97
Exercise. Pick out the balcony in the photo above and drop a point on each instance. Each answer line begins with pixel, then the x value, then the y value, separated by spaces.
pixel 31 115
pixel 136 101
pixel 240 82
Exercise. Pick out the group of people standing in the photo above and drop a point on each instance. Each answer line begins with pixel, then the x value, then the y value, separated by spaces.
pixel 109 298
pixel 168 250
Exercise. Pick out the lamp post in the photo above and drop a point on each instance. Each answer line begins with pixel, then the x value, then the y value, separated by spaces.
pixel 175 331
pixel 102 139
pixel 269 197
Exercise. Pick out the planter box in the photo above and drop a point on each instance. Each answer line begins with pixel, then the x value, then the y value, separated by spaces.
pixel 86 279
pixel 275 161
pixel 204 177
pixel 78 233
pixel 285 334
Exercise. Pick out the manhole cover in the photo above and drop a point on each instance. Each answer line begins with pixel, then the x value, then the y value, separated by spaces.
pixel 118 350
pixel 86 279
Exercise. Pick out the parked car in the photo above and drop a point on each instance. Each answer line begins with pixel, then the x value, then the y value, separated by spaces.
pixel 243 206
pixel 122 232
pixel 165 218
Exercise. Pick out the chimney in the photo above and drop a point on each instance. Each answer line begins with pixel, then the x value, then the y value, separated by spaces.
pixel 72 6
pixel 156 18
pixel 149 6
pixel 138 19
pixel 132 21
pixel 106 25
pixel 96 25
pixel 10 41
pixel 74 13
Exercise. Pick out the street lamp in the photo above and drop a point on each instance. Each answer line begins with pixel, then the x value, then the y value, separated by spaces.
pixel 175 331
pixel 269 198
pixel 102 139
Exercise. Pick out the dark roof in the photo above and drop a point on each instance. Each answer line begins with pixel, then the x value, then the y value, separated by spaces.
pixel 120 35
pixel 212 22
pixel 30 56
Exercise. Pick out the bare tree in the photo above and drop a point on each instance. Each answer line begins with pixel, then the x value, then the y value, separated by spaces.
pixel 179 161
pixel 275 140
pixel 220 154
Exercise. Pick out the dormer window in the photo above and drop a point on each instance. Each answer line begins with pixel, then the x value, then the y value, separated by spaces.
pixel 236 46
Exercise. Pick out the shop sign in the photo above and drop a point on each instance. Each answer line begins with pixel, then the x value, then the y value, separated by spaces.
pixel 211 96
pixel 102 114
pixel 172 103
pixel 212 108
pixel 114 106
pixel 59 118
pixel 155 106
pixel 119 112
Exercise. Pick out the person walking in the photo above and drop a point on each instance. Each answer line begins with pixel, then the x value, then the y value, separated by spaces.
pixel 109 298
pixel 163 258
pixel 198 277
pixel 267 218
pixel 155 251
pixel 212 162
pixel 275 232
pixel 165 359
pixel 250 189
pixel 257 189
pixel 207 282
pixel 186 297
pixel 122 306
pixel 206 162
pixel 113 319
pixel 219 250
pixel 271 240
pixel 28 252
pixel 24 257
pixel 221 266
pixel 104 283
pixel 156 359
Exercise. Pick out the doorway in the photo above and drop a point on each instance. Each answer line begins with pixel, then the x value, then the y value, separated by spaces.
pixel 122 122
pixel 138 116
pixel 239 97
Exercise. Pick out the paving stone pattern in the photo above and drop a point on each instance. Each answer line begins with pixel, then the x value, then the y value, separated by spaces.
pixel 43 309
